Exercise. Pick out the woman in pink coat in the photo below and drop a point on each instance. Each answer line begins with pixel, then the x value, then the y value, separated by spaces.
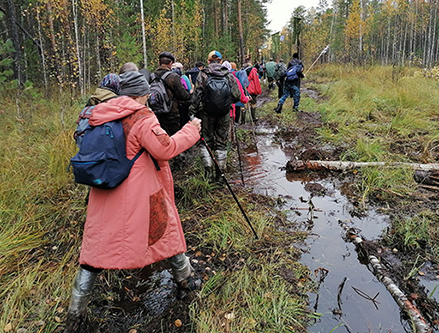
pixel 137 223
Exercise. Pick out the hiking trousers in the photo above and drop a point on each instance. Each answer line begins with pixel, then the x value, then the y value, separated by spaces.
pixel 215 130
pixel 293 91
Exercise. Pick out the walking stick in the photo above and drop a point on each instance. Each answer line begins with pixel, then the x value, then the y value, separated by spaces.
pixel 228 186
pixel 239 153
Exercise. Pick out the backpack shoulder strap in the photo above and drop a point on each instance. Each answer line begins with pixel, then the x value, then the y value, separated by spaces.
pixel 165 75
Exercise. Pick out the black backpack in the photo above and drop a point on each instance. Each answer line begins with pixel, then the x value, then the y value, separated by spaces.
pixel 159 100
pixel 218 95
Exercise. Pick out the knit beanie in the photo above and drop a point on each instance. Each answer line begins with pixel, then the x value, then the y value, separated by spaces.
pixel 133 84
pixel 111 82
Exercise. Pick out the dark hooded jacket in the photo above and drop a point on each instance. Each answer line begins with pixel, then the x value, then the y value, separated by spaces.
pixel 300 75
pixel 175 88
pixel 199 94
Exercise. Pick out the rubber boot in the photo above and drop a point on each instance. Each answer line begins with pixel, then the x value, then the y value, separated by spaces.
pixel 278 108
pixel 183 275
pixel 181 267
pixel 208 164
pixel 243 114
pixel 221 158
pixel 81 294
pixel 253 113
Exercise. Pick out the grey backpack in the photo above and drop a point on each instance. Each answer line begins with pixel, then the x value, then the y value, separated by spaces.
pixel 159 100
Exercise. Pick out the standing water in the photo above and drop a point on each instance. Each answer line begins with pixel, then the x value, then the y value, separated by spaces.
pixel 345 285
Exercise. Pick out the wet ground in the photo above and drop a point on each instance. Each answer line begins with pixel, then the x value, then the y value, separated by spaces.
pixel 348 294
pixel 319 206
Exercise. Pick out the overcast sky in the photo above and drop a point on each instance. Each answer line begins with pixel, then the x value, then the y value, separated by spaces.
pixel 279 11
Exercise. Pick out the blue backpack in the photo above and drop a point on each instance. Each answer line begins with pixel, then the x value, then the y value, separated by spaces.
pixel 101 161
pixel 292 72
pixel 243 78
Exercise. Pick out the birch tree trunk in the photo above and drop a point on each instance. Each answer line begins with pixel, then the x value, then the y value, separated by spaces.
pixel 18 54
pixel 145 59
pixel 98 55
pixel 341 165
pixel 56 59
pixel 43 56
pixel 415 315
pixel 241 36
pixel 78 49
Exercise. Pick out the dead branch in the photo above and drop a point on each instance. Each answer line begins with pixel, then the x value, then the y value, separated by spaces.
pixel 293 166
pixel 403 302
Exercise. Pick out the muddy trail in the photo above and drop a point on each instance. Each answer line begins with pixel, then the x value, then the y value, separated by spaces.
pixel 347 292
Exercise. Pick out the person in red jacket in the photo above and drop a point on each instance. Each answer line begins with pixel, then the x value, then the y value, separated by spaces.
pixel 254 89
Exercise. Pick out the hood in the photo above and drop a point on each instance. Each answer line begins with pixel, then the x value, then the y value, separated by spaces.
pixel 103 94
pixel 114 109
pixel 216 69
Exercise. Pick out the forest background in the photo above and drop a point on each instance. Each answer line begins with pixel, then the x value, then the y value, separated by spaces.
pixel 74 43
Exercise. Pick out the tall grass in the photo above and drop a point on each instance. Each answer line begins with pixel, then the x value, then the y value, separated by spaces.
pixel 37 253
pixel 383 114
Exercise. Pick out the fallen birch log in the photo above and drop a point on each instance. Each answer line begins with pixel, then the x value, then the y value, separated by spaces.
pixel 418 320
pixel 342 165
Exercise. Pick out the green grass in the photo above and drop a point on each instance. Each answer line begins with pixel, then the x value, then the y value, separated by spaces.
pixel 251 299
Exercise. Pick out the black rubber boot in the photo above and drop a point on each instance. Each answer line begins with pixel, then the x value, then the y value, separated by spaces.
pixel 278 108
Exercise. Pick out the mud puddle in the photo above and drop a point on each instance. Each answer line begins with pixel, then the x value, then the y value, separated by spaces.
pixel 344 286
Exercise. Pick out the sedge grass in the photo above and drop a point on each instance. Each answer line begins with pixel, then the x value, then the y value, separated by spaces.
pixel 36 249
pixel 248 300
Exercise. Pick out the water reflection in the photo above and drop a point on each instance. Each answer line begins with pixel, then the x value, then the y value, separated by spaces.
pixel 349 297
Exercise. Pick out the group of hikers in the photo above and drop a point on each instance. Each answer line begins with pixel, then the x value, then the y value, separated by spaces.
pixel 136 223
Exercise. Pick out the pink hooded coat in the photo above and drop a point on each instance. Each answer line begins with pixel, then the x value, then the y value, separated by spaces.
pixel 137 223
pixel 254 87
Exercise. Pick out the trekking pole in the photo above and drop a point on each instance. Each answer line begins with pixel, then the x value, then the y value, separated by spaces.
pixel 321 53
pixel 228 186
pixel 239 153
